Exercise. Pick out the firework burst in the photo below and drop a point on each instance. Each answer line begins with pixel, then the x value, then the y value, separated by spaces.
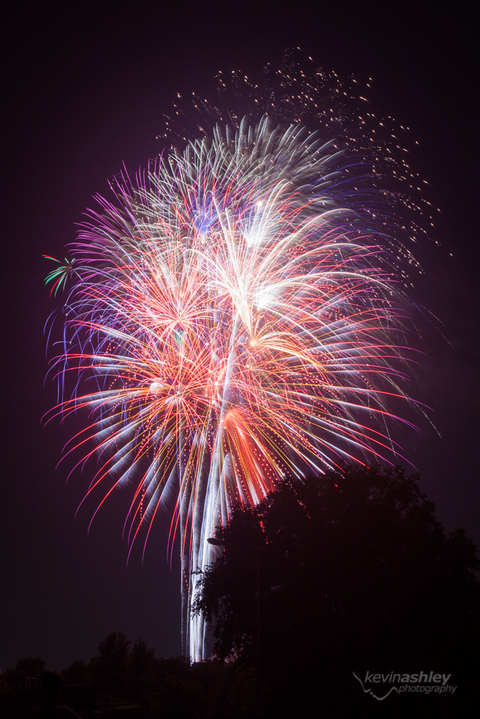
pixel 231 319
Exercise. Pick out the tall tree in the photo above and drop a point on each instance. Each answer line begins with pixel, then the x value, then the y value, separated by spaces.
pixel 348 571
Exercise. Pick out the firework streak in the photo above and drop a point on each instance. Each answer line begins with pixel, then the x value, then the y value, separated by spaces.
pixel 231 320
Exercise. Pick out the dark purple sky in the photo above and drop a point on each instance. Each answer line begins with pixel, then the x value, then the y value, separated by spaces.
pixel 86 86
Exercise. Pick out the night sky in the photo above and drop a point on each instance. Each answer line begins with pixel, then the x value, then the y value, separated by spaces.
pixel 86 86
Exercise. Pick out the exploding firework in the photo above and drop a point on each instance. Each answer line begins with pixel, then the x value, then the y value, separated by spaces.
pixel 232 319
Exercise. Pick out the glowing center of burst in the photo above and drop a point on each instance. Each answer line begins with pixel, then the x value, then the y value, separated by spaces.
pixel 265 297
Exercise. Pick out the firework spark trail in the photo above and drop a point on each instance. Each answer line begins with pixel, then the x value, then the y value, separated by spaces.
pixel 231 321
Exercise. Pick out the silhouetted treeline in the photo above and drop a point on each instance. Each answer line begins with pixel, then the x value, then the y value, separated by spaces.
pixel 159 688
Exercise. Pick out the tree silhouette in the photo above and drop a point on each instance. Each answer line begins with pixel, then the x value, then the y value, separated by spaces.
pixel 27 669
pixel 111 666
pixel 356 574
